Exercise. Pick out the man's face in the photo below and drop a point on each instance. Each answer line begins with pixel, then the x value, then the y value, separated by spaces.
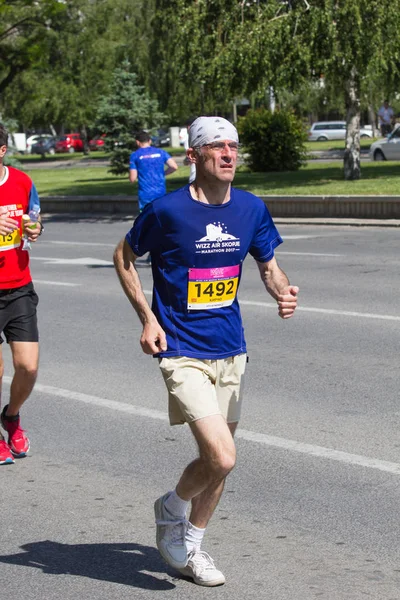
pixel 218 160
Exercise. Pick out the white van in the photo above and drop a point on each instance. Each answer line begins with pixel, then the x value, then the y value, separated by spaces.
pixel 17 142
pixel 322 131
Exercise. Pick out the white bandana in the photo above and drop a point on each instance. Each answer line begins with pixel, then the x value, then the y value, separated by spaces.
pixel 205 130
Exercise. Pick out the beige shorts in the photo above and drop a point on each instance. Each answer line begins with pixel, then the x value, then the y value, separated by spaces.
pixel 201 388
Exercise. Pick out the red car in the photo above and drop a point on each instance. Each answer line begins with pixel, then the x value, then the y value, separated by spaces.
pixel 70 142
pixel 97 143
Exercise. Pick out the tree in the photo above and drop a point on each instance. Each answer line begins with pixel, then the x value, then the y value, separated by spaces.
pixel 229 49
pixel 353 43
pixel 126 110
pixel 81 47
pixel 25 30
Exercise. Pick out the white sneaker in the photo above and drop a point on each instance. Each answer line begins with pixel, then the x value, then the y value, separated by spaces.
pixel 201 569
pixel 171 533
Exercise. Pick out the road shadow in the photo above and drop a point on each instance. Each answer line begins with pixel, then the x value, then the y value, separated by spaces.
pixel 116 563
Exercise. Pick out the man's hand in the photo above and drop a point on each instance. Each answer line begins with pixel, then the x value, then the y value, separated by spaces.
pixel 32 231
pixel 287 301
pixel 7 224
pixel 153 339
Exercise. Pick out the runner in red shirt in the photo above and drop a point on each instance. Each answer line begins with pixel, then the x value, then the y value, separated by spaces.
pixel 18 300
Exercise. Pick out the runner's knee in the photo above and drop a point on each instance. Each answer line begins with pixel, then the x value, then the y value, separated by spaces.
pixel 26 371
pixel 222 463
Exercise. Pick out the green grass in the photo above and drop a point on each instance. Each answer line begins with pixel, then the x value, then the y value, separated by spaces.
pixel 63 156
pixel 337 145
pixel 314 179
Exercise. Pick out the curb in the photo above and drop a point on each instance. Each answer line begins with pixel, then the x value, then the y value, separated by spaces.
pixel 318 210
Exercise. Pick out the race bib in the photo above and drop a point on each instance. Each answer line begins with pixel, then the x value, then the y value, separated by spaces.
pixel 212 288
pixel 13 239
pixel 10 240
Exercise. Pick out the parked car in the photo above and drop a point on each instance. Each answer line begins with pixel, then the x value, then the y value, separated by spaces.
pixel 70 142
pixel 387 148
pixel 32 139
pixel 322 131
pixel 97 143
pixel 161 139
pixel 44 146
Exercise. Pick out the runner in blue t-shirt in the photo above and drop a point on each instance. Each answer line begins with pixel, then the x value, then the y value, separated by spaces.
pixel 146 165
pixel 198 238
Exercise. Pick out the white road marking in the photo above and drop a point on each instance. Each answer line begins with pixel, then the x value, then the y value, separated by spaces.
pixel 301 237
pixel 307 253
pixel 326 311
pixel 70 243
pixel 250 436
pixel 62 283
pixel 85 261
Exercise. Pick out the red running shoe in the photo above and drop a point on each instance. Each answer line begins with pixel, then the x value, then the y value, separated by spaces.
pixel 17 440
pixel 6 458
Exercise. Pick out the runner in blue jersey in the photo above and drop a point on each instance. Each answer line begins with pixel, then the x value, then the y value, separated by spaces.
pixel 147 166
pixel 198 237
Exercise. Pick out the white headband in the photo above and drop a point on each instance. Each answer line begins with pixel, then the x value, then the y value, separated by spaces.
pixel 205 130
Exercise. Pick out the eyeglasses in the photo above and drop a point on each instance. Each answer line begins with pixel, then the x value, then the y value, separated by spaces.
pixel 220 146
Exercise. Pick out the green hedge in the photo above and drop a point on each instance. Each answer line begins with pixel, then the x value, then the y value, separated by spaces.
pixel 272 141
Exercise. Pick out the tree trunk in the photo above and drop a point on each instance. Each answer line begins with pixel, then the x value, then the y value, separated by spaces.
pixel 351 162
pixel 372 120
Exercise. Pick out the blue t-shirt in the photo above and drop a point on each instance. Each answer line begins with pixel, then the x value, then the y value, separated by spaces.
pixel 149 163
pixel 197 253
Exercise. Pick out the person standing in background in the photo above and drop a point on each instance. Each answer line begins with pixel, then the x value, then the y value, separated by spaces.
pixel 386 118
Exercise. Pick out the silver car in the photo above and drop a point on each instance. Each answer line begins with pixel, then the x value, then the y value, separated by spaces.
pixel 387 148
pixel 323 131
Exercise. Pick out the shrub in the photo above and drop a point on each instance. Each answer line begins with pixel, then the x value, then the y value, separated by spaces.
pixel 272 141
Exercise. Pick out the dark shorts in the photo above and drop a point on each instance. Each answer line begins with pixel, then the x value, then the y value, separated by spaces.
pixel 18 320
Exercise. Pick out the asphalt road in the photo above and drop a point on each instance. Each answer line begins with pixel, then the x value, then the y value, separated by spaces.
pixel 312 509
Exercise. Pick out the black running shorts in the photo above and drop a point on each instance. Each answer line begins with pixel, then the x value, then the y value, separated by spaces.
pixel 18 320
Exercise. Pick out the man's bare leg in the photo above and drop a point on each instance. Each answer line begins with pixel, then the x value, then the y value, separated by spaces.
pixel 217 459
pixel 203 479
pixel 25 359
pixel 205 503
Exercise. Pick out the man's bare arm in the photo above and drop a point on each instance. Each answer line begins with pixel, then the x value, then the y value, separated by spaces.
pixel 132 175
pixel 153 338
pixel 171 167
pixel 278 286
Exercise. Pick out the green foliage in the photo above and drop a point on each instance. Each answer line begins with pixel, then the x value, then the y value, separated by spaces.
pixel 12 161
pixel 195 57
pixel 273 141
pixel 25 33
pixel 126 110
pixel 71 63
